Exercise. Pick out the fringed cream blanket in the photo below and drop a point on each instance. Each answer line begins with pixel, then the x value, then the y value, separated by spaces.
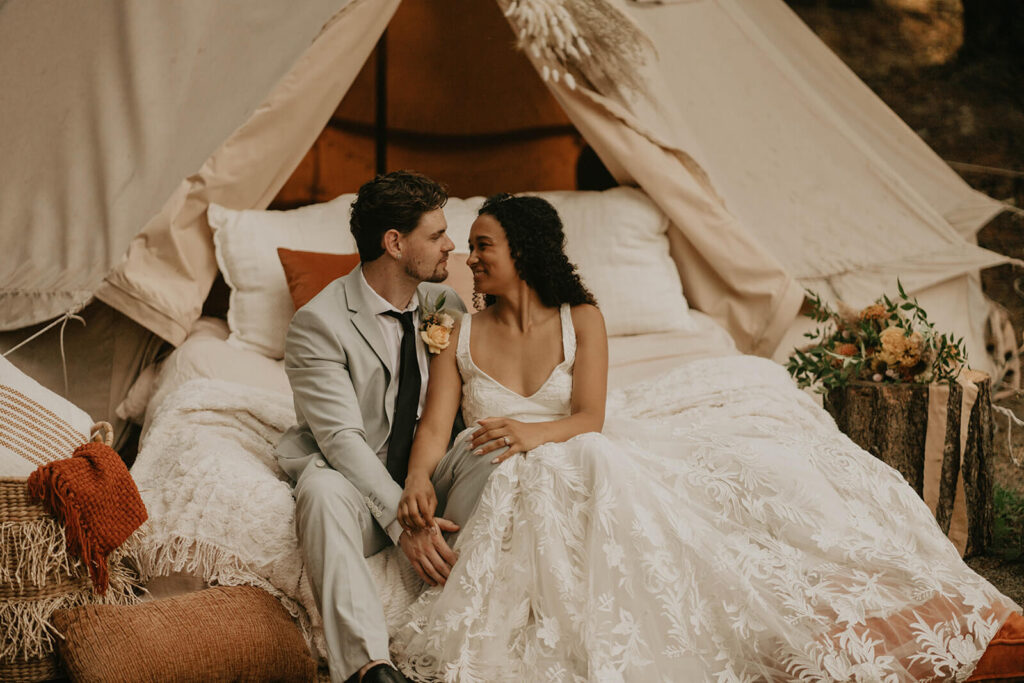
pixel 221 509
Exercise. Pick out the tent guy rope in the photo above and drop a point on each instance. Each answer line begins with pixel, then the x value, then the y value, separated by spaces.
pixel 62 321
pixel 1011 420
pixel 979 168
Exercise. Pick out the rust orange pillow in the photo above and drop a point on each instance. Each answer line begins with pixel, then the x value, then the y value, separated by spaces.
pixel 1004 657
pixel 308 272
pixel 221 634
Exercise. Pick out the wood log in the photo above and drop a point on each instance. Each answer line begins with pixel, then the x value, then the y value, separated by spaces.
pixel 950 459
pixel 890 421
pixel 976 470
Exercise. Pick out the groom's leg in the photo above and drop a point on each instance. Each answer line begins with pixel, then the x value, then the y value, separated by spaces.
pixel 459 480
pixel 336 532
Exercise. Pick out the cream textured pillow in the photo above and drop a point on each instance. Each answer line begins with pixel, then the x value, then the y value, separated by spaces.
pixel 37 426
pixel 206 354
pixel 619 241
pixel 260 306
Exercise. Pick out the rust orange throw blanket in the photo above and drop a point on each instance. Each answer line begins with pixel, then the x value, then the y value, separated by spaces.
pixel 95 498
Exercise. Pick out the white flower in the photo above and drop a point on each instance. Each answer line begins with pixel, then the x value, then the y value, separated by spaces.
pixel 549 632
pixel 614 552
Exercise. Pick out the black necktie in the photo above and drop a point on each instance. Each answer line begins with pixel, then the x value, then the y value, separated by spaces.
pixel 404 423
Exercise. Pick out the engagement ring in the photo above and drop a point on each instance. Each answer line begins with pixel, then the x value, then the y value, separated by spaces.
pixel 506 441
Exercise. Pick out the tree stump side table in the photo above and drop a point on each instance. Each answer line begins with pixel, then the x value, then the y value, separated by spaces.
pixel 890 421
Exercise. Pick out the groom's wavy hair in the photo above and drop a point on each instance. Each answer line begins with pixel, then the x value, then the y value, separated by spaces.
pixel 395 200
pixel 536 240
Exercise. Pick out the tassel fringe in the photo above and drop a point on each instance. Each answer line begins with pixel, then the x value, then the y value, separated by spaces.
pixel 33 555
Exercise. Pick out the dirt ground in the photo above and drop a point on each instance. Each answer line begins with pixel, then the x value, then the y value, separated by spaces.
pixel 969 112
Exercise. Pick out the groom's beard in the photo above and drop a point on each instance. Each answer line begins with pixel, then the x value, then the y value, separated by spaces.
pixel 439 274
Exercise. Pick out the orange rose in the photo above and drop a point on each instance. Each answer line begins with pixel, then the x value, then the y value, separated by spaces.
pixel 847 349
pixel 874 312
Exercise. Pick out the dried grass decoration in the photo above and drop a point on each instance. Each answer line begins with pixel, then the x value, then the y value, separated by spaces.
pixel 582 42
pixel 890 341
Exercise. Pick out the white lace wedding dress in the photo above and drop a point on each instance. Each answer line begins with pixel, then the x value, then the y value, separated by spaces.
pixel 719 529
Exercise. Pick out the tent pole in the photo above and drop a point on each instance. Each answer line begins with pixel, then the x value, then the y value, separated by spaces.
pixel 381 109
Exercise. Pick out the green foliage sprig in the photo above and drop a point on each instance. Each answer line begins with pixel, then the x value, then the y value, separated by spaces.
pixel 890 341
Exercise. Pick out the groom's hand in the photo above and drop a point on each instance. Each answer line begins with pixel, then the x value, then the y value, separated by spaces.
pixel 428 552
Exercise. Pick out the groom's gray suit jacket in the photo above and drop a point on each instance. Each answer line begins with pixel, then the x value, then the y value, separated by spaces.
pixel 344 389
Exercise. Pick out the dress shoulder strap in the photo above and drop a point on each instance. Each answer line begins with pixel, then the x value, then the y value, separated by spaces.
pixel 462 350
pixel 568 335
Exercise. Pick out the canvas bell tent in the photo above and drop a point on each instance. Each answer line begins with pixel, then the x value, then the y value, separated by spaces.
pixel 778 168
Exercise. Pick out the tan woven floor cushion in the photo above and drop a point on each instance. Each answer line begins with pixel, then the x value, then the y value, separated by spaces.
pixel 227 633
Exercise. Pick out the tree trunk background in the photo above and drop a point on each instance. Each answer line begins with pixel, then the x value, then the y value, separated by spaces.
pixel 890 421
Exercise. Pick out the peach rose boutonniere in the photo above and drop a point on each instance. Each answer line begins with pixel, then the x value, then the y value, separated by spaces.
pixel 436 326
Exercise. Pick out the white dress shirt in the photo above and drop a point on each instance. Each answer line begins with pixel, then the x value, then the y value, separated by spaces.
pixel 391 330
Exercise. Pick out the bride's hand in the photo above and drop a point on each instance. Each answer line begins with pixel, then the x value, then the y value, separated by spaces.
pixel 498 432
pixel 416 508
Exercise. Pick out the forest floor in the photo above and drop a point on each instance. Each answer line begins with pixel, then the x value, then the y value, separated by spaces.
pixel 969 112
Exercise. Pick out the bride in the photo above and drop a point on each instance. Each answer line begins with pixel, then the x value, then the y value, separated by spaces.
pixel 670 544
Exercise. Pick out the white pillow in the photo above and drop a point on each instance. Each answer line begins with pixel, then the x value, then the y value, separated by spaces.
pixel 260 306
pixel 246 242
pixel 619 241
pixel 206 354
pixel 38 426
pixel 617 238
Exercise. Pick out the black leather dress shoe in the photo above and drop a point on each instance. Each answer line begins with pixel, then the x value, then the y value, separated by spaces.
pixel 383 673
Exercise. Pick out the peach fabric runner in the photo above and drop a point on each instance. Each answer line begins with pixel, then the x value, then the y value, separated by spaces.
pixel 935 439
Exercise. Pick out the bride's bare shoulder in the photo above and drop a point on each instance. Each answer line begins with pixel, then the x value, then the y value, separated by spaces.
pixel 587 317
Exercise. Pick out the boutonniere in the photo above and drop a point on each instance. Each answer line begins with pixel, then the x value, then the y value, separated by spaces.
pixel 436 326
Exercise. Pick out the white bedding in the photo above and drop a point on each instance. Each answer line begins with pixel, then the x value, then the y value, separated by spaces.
pixel 221 510
pixel 207 355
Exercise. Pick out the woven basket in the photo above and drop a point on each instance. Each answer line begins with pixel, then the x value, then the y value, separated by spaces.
pixel 37 577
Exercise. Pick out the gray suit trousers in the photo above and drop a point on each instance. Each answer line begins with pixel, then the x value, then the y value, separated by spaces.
pixel 337 532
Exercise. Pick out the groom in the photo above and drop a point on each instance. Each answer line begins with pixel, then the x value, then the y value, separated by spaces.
pixel 358 370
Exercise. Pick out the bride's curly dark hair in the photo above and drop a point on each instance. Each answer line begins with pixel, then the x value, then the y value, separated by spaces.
pixel 536 241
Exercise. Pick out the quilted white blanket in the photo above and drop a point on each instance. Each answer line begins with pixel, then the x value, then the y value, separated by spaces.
pixel 221 509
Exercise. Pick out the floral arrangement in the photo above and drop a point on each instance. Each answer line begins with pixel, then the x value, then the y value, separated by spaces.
pixel 436 326
pixel 889 341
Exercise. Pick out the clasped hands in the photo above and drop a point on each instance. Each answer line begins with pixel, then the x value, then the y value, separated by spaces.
pixel 422 539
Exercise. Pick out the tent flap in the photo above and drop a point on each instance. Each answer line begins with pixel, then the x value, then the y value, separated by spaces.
pixel 170 265
pixel 105 108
